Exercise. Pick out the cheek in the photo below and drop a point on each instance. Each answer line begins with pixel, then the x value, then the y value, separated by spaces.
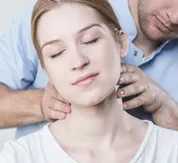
pixel 109 57
pixel 154 7
pixel 108 61
pixel 57 73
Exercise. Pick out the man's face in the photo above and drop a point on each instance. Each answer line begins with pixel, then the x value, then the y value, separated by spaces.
pixel 158 19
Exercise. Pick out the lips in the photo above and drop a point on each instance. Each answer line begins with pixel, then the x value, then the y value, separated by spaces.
pixel 85 79
pixel 163 25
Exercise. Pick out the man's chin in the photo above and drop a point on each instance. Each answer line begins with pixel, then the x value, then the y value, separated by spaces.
pixel 157 36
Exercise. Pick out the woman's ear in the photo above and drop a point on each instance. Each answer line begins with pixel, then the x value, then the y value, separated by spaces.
pixel 123 42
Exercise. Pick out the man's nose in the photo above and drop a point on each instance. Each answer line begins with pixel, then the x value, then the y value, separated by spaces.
pixel 173 16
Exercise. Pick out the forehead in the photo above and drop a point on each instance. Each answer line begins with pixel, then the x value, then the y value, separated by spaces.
pixel 65 20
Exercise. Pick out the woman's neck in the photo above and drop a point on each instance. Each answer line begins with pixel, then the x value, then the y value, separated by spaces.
pixel 92 126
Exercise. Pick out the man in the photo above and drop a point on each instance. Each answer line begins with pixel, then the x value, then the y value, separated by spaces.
pixel 149 25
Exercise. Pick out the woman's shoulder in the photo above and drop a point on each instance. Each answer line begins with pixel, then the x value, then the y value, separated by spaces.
pixel 20 150
pixel 162 145
pixel 163 135
pixel 159 137
pixel 159 145
pixel 30 140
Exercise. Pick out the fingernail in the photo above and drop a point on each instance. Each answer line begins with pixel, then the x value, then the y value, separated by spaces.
pixel 62 115
pixel 125 106
pixel 120 79
pixel 68 109
pixel 122 93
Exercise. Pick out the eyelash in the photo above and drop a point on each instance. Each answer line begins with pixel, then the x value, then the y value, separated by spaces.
pixel 56 55
pixel 92 41
pixel 89 42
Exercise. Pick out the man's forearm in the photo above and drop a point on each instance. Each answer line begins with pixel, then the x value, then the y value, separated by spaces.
pixel 19 108
pixel 167 115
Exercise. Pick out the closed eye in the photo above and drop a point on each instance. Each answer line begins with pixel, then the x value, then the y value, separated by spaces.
pixel 56 55
pixel 92 41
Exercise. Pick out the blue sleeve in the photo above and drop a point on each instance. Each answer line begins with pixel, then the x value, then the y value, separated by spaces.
pixel 18 58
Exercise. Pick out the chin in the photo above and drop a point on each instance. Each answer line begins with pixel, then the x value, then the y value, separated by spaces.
pixel 155 35
pixel 90 101
pixel 94 98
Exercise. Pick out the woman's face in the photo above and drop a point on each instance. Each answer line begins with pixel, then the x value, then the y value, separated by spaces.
pixel 81 57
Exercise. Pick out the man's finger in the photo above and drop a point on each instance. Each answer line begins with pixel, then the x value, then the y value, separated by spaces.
pixel 128 78
pixel 144 99
pixel 127 68
pixel 130 90
pixel 60 98
pixel 60 106
pixel 56 115
pixel 134 103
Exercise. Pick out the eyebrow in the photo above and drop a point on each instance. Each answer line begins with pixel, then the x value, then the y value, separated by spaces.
pixel 80 31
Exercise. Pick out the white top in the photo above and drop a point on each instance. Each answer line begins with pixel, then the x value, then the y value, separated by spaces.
pixel 159 146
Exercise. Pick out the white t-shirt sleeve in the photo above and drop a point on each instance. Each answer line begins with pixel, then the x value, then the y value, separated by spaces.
pixel 16 152
pixel 39 147
pixel 160 146
pixel 7 155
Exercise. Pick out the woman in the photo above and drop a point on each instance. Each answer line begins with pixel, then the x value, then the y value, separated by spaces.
pixel 79 43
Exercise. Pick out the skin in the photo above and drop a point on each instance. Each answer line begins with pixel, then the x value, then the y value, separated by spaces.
pixel 151 32
pixel 38 105
pixel 156 22
pixel 20 107
pixel 148 95
pixel 62 83
pixel 84 134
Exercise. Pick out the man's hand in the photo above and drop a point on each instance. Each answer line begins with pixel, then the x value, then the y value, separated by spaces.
pixel 134 82
pixel 146 93
pixel 54 107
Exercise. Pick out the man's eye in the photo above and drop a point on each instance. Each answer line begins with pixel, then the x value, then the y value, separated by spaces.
pixel 56 55
pixel 92 41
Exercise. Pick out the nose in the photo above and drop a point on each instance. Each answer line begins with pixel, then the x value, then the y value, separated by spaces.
pixel 173 16
pixel 79 60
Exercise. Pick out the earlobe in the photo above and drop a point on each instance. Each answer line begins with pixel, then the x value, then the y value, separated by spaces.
pixel 123 41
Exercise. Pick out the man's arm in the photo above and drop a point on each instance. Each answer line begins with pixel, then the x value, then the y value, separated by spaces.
pixel 20 107
pixel 18 69
pixel 167 115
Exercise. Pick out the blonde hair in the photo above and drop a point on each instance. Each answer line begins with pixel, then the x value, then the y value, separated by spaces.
pixel 103 8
